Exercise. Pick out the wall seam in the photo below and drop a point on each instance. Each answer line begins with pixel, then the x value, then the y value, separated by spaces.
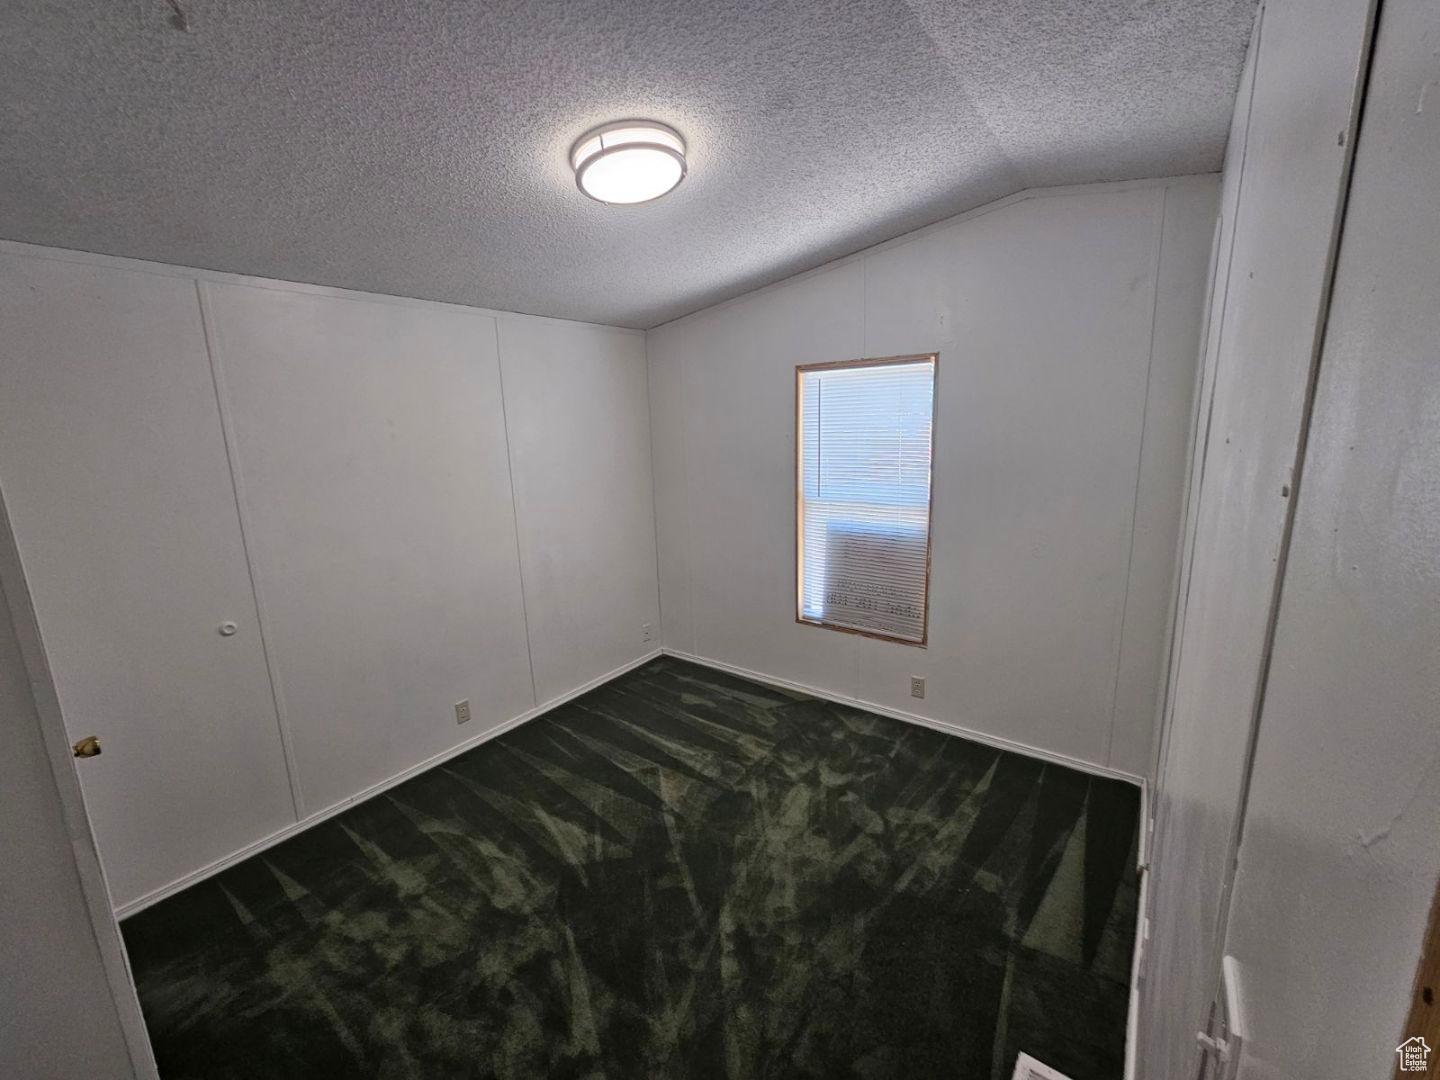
pixel 242 514
pixel 1139 475
pixel 1198 431
pixel 686 504
pixel 514 509
pixel 654 495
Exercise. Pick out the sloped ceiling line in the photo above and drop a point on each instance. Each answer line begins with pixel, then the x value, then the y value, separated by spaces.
pixel 419 149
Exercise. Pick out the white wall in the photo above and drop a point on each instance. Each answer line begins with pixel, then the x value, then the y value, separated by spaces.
pixel 407 536
pixel 370 442
pixel 578 411
pixel 1067 324
pixel 1339 859
pixel 1285 177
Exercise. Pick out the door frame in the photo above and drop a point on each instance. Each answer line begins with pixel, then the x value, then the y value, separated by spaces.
pixel 1221 972
pixel 16 603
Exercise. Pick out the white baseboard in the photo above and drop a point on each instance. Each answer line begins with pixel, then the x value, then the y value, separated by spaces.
pixel 914 718
pixel 134 906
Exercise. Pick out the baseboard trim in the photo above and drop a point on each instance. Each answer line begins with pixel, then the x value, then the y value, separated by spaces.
pixel 135 906
pixel 913 718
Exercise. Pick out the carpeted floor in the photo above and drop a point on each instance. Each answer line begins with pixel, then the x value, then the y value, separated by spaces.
pixel 680 874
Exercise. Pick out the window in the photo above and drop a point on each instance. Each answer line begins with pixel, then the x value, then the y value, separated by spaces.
pixel 862 471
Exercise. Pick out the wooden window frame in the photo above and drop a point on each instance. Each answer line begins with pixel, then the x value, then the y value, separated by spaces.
pixel 878 361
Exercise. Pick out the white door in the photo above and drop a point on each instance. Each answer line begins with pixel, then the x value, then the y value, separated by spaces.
pixel 114 466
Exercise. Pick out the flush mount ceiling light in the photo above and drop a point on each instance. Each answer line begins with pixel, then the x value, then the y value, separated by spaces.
pixel 630 162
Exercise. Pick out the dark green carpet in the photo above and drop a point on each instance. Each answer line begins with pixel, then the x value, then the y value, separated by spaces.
pixel 680 874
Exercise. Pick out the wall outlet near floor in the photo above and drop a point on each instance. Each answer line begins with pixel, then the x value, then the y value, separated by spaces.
pixel 462 711
pixel 917 686
pixel 647 633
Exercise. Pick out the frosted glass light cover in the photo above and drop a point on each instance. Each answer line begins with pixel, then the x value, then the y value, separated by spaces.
pixel 630 162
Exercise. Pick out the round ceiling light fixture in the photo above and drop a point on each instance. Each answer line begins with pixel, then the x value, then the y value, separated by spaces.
pixel 629 162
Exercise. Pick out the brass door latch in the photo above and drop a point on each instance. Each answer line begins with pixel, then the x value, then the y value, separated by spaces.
pixel 89 746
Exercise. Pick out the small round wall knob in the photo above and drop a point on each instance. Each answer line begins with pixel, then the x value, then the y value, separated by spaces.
pixel 227 629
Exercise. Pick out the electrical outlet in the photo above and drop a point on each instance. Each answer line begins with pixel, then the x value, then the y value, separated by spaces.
pixel 647 633
pixel 917 686
pixel 462 711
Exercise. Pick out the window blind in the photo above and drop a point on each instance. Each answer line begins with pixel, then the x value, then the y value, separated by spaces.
pixel 863 542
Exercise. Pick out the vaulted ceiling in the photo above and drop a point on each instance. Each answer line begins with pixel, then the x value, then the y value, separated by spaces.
pixel 419 148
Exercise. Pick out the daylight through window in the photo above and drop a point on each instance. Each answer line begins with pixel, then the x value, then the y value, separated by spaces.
pixel 863 507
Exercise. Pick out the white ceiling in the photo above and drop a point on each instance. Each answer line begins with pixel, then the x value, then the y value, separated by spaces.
pixel 419 148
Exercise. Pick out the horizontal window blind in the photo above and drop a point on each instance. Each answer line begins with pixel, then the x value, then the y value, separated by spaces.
pixel 864 499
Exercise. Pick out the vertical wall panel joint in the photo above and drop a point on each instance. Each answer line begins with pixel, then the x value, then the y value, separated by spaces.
pixel 654 491
pixel 242 515
pixel 515 508
pixel 1139 473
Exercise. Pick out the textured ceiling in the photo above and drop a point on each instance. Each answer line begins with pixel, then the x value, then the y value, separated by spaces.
pixel 420 148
